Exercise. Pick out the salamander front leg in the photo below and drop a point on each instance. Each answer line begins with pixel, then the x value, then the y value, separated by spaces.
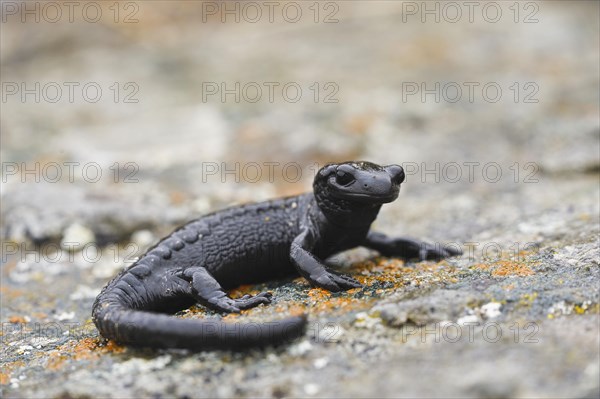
pixel 208 292
pixel 314 270
pixel 407 248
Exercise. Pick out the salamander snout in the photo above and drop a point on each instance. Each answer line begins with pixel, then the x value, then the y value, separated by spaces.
pixel 396 172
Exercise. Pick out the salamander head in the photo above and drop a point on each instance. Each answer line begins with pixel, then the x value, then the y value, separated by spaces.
pixel 359 182
pixel 351 193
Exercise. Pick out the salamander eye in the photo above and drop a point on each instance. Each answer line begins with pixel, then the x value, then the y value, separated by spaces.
pixel 343 178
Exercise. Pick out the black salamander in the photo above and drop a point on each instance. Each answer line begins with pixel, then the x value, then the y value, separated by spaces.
pixel 250 244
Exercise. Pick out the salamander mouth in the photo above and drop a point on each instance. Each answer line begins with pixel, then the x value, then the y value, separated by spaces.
pixel 367 197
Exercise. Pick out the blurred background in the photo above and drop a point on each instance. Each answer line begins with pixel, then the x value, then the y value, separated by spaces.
pixel 122 119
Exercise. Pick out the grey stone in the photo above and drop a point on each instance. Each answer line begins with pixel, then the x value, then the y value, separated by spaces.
pixel 396 339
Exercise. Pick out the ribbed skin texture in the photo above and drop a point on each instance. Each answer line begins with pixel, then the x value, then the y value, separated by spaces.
pixel 249 244
pixel 239 245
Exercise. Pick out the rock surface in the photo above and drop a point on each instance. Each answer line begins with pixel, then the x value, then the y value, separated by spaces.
pixel 516 316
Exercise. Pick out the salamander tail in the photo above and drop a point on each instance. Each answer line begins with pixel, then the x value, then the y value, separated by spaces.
pixel 146 329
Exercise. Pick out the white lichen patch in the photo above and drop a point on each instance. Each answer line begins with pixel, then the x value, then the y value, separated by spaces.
pixel 141 365
pixel 142 238
pixel 468 320
pixel 84 292
pixel 366 320
pixel 300 348
pixel 491 310
pixel 77 236
pixel 64 316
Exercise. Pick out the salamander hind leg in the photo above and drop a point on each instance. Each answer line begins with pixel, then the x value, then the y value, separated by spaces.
pixel 208 292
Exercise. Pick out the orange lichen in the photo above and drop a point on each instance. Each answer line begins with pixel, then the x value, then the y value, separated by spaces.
pixel 339 303
pixel 55 361
pixel 243 290
pixel 39 315
pixel 10 293
pixel 231 317
pixel 295 310
pixel 481 266
pixel 379 277
pixel 507 267
pixel 177 197
pixel 8 369
pixel 85 349
pixel 17 319
pixel 113 347
pixel 319 294
pixel 511 268
pixel 98 345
